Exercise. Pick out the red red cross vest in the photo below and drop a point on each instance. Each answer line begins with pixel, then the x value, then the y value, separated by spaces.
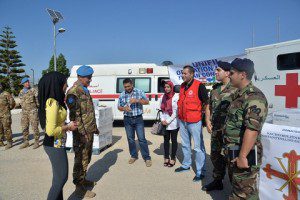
pixel 189 104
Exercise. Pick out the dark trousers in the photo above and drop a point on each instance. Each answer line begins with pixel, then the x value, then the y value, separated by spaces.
pixel 218 160
pixel 59 161
pixel 173 135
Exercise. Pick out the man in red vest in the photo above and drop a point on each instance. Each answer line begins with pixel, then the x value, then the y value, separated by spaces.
pixel 193 99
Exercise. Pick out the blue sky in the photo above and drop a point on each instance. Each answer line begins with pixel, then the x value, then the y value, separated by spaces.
pixel 124 31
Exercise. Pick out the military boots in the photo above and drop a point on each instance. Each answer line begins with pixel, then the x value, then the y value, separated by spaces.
pixel 81 192
pixel 24 145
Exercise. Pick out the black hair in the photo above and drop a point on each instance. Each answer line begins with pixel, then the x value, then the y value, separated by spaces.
pixel 127 80
pixel 50 86
pixel 190 68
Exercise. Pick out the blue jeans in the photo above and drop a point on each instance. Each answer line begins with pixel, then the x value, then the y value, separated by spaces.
pixel 132 125
pixel 188 130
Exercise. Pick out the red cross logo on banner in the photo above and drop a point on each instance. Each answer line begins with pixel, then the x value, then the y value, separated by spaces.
pixel 291 176
pixel 291 90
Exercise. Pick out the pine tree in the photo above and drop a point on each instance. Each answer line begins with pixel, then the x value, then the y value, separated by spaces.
pixel 10 63
pixel 61 65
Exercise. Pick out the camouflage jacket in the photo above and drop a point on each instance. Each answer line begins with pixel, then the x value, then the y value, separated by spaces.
pixel 248 110
pixel 29 100
pixel 81 109
pixel 7 103
pixel 219 102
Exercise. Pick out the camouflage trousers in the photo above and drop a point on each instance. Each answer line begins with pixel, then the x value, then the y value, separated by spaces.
pixel 5 128
pixel 83 154
pixel 30 117
pixel 244 182
pixel 218 160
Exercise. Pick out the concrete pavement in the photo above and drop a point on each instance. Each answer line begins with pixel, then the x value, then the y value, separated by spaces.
pixel 26 174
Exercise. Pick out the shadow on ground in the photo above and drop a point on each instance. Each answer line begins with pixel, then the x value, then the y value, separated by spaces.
pixel 18 138
pixel 100 168
pixel 120 123
pixel 216 195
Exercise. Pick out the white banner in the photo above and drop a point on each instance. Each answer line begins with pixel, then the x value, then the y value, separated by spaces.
pixel 280 172
pixel 204 71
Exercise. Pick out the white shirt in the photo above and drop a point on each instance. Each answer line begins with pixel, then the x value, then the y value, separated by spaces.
pixel 173 119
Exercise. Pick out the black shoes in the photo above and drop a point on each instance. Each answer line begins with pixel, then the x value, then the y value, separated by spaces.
pixel 181 169
pixel 215 185
pixel 198 178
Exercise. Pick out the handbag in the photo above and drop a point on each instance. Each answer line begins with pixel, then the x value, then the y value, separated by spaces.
pixel 158 128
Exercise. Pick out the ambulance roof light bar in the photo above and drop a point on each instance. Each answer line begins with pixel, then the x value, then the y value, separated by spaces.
pixel 146 70
pixel 149 70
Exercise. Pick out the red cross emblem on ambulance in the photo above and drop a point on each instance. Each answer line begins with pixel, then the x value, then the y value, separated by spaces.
pixel 291 90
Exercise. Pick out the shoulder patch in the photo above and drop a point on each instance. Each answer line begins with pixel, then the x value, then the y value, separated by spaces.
pixel 71 101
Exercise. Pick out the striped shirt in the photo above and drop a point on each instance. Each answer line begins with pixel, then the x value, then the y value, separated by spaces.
pixel 136 108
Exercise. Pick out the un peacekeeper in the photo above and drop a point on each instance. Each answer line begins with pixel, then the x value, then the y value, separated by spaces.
pixel 29 103
pixel 7 103
pixel 80 104
pixel 246 116
pixel 220 98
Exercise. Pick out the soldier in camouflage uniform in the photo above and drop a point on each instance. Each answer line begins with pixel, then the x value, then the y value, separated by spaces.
pixel 220 98
pixel 29 103
pixel 80 104
pixel 7 103
pixel 244 122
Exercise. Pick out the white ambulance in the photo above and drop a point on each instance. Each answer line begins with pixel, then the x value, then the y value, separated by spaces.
pixel 107 84
pixel 277 69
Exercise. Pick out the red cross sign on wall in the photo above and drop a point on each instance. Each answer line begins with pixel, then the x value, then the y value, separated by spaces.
pixel 291 91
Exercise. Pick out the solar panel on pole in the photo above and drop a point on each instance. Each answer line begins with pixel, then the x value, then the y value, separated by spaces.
pixel 58 14
pixel 55 15
pixel 52 14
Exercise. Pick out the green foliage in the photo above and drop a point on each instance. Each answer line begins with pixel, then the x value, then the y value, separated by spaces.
pixel 11 66
pixel 61 64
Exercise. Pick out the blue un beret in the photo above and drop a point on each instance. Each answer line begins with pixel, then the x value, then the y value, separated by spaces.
pixel 243 65
pixel 224 65
pixel 24 80
pixel 85 70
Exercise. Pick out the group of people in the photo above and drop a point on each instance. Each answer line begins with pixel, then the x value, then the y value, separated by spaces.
pixel 53 103
pixel 28 97
pixel 234 111
pixel 234 114
pixel 48 106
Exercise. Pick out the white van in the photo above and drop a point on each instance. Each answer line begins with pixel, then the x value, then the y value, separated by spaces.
pixel 107 84
pixel 277 69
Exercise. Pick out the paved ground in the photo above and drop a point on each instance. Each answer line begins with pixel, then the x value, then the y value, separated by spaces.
pixel 26 174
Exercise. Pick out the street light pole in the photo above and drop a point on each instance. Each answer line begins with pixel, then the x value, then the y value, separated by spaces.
pixel 56 17
pixel 54 53
pixel 32 76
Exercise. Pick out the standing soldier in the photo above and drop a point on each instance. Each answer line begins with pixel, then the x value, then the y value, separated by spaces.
pixel 217 109
pixel 29 103
pixel 246 116
pixel 80 104
pixel 7 103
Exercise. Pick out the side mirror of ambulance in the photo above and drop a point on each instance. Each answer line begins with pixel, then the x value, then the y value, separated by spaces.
pixel 176 88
